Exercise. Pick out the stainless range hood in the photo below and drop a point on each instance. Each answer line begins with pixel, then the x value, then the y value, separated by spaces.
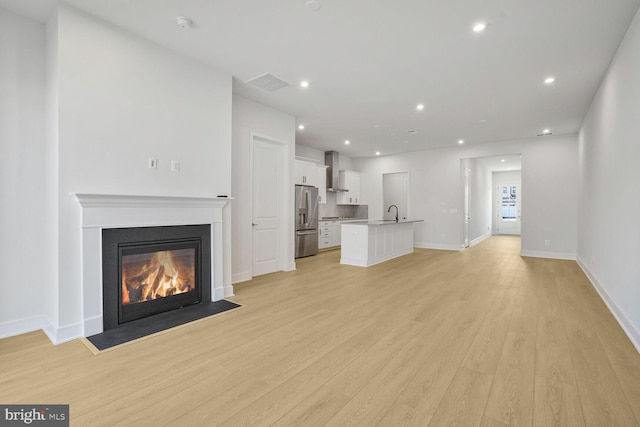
pixel 332 159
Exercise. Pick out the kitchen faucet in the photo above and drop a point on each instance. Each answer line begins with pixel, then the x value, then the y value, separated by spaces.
pixel 389 210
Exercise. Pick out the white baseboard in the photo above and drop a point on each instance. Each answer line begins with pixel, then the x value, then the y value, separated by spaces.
pixel 66 333
pixel 623 320
pixel 439 246
pixel 240 277
pixel 22 326
pixel 228 291
pixel 50 331
pixel 292 266
pixel 56 335
pixel 550 255
pixel 479 239
pixel 93 325
pixel 219 293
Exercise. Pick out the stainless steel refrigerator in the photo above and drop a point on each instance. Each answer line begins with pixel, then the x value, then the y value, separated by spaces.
pixel 306 218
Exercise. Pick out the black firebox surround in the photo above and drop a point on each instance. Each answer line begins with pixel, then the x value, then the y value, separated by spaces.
pixel 117 242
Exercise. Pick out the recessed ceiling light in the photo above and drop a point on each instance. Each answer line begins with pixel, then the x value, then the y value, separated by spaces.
pixel 313 5
pixel 376 126
pixel 461 141
pixel 420 107
pixel 549 80
pixel 184 22
pixel 482 121
pixel 377 153
pixel 347 142
pixel 304 83
pixel 301 127
pixel 546 131
pixel 502 160
pixel 479 27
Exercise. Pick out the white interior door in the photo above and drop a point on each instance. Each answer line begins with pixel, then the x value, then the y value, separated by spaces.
pixel 268 232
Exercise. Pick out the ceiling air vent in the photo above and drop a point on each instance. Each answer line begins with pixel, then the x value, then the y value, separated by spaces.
pixel 267 82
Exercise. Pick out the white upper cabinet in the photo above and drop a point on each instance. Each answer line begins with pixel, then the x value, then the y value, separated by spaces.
pixel 313 174
pixel 306 173
pixel 349 180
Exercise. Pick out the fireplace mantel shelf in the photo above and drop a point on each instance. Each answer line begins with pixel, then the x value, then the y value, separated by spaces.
pixel 88 200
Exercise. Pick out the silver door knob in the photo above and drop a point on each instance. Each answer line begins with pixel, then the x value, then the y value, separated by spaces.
pixel 253 224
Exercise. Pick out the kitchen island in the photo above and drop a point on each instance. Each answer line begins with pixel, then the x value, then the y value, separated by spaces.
pixel 366 243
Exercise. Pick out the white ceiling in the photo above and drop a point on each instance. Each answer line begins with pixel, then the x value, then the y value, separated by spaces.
pixel 371 62
pixel 511 162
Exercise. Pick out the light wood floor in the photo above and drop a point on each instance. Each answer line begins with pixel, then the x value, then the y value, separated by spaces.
pixel 479 337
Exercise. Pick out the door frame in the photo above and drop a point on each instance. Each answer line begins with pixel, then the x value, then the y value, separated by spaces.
pixel 466 205
pixel 285 202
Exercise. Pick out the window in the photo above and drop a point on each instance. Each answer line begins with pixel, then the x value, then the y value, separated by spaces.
pixel 509 202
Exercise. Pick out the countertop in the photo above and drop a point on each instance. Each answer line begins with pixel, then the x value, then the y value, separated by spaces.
pixel 384 222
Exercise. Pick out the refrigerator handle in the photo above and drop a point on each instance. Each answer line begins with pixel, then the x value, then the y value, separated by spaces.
pixel 307 201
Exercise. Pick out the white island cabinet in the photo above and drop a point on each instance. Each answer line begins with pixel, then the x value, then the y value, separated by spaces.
pixel 367 243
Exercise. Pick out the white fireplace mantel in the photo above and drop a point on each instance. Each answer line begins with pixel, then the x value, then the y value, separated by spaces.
pixel 102 211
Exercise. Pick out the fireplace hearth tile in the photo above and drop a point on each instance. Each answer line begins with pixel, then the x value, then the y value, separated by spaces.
pixel 157 323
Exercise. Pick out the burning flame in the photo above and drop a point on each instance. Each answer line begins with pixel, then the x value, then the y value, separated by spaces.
pixel 162 276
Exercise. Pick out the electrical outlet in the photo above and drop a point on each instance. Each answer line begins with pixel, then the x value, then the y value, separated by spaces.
pixel 153 163
pixel 175 166
pixel 547 242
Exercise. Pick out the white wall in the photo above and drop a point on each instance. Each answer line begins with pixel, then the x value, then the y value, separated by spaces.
pixel 124 99
pixel 251 118
pixel 51 181
pixel 23 215
pixel 549 207
pixel 549 176
pixel 310 153
pixel 609 186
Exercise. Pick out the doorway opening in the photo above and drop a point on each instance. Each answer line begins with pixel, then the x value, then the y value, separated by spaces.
pixel 492 195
